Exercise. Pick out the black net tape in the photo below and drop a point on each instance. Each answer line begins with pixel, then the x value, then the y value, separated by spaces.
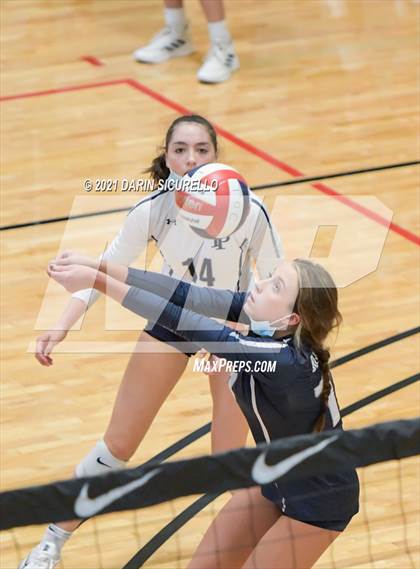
pixel 287 459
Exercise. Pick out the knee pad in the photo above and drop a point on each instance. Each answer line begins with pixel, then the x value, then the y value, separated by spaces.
pixel 99 461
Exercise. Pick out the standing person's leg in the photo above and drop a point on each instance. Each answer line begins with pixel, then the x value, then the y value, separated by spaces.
pixel 147 382
pixel 221 61
pixel 172 41
pixel 235 531
pixel 229 427
pixel 214 10
pixel 290 544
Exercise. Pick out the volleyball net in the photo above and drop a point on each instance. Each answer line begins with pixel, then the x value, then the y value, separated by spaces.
pixel 387 523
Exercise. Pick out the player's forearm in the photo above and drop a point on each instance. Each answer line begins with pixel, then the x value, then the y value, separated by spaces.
pixel 114 270
pixel 193 327
pixel 71 314
pixel 110 286
pixel 216 303
pixel 165 286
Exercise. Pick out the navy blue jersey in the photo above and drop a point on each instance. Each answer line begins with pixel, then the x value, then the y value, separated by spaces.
pixel 278 400
pixel 287 393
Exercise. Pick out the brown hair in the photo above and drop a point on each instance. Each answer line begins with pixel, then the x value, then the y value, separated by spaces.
pixel 317 306
pixel 158 169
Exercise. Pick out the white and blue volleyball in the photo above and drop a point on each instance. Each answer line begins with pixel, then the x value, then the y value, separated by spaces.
pixel 214 199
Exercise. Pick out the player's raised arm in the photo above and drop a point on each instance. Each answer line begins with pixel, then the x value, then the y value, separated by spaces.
pixel 217 303
pixel 193 326
pixel 125 247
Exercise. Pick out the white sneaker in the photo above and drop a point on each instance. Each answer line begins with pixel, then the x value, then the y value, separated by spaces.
pixel 221 61
pixel 43 556
pixel 166 44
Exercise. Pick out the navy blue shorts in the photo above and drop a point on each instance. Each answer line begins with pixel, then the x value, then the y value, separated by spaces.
pixel 334 525
pixel 328 501
pixel 171 338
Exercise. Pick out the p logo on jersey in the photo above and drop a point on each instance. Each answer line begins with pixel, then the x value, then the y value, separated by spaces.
pixel 214 201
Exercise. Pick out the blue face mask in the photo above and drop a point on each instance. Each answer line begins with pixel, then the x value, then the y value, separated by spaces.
pixel 172 181
pixel 265 327
pixel 174 176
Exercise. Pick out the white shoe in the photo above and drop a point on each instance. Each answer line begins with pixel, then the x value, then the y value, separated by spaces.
pixel 166 44
pixel 220 63
pixel 43 556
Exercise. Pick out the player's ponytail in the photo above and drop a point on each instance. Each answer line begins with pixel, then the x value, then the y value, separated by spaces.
pixel 158 170
pixel 317 306
pixel 323 356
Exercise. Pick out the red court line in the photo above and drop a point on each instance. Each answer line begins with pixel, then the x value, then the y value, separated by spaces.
pixel 367 212
pixel 229 136
pixel 64 90
pixel 158 97
pixel 236 140
pixel 92 60
pixel 281 165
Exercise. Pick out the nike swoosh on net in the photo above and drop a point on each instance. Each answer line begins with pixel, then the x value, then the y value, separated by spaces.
pixel 85 507
pixel 264 473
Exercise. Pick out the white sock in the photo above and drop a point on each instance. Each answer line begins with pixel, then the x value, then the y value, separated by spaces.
pixel 55 535
pixel 175 19
pixel 219 32
pixel 99 460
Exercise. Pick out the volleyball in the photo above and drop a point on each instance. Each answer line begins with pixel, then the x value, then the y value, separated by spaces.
pixel 214 199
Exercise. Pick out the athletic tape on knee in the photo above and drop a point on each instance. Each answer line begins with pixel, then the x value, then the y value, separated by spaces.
pixel 99 461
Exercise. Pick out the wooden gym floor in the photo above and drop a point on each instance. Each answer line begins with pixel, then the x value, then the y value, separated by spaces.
pixel 325 87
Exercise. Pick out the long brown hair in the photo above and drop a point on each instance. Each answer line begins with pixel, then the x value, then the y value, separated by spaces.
pixel 317 306
pixel 158 169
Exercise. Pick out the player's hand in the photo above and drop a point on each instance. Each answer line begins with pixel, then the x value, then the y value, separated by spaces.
pixel 45 344
pixel 212 358
pixel 74 258
pixel 72 277
pixel 202 353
